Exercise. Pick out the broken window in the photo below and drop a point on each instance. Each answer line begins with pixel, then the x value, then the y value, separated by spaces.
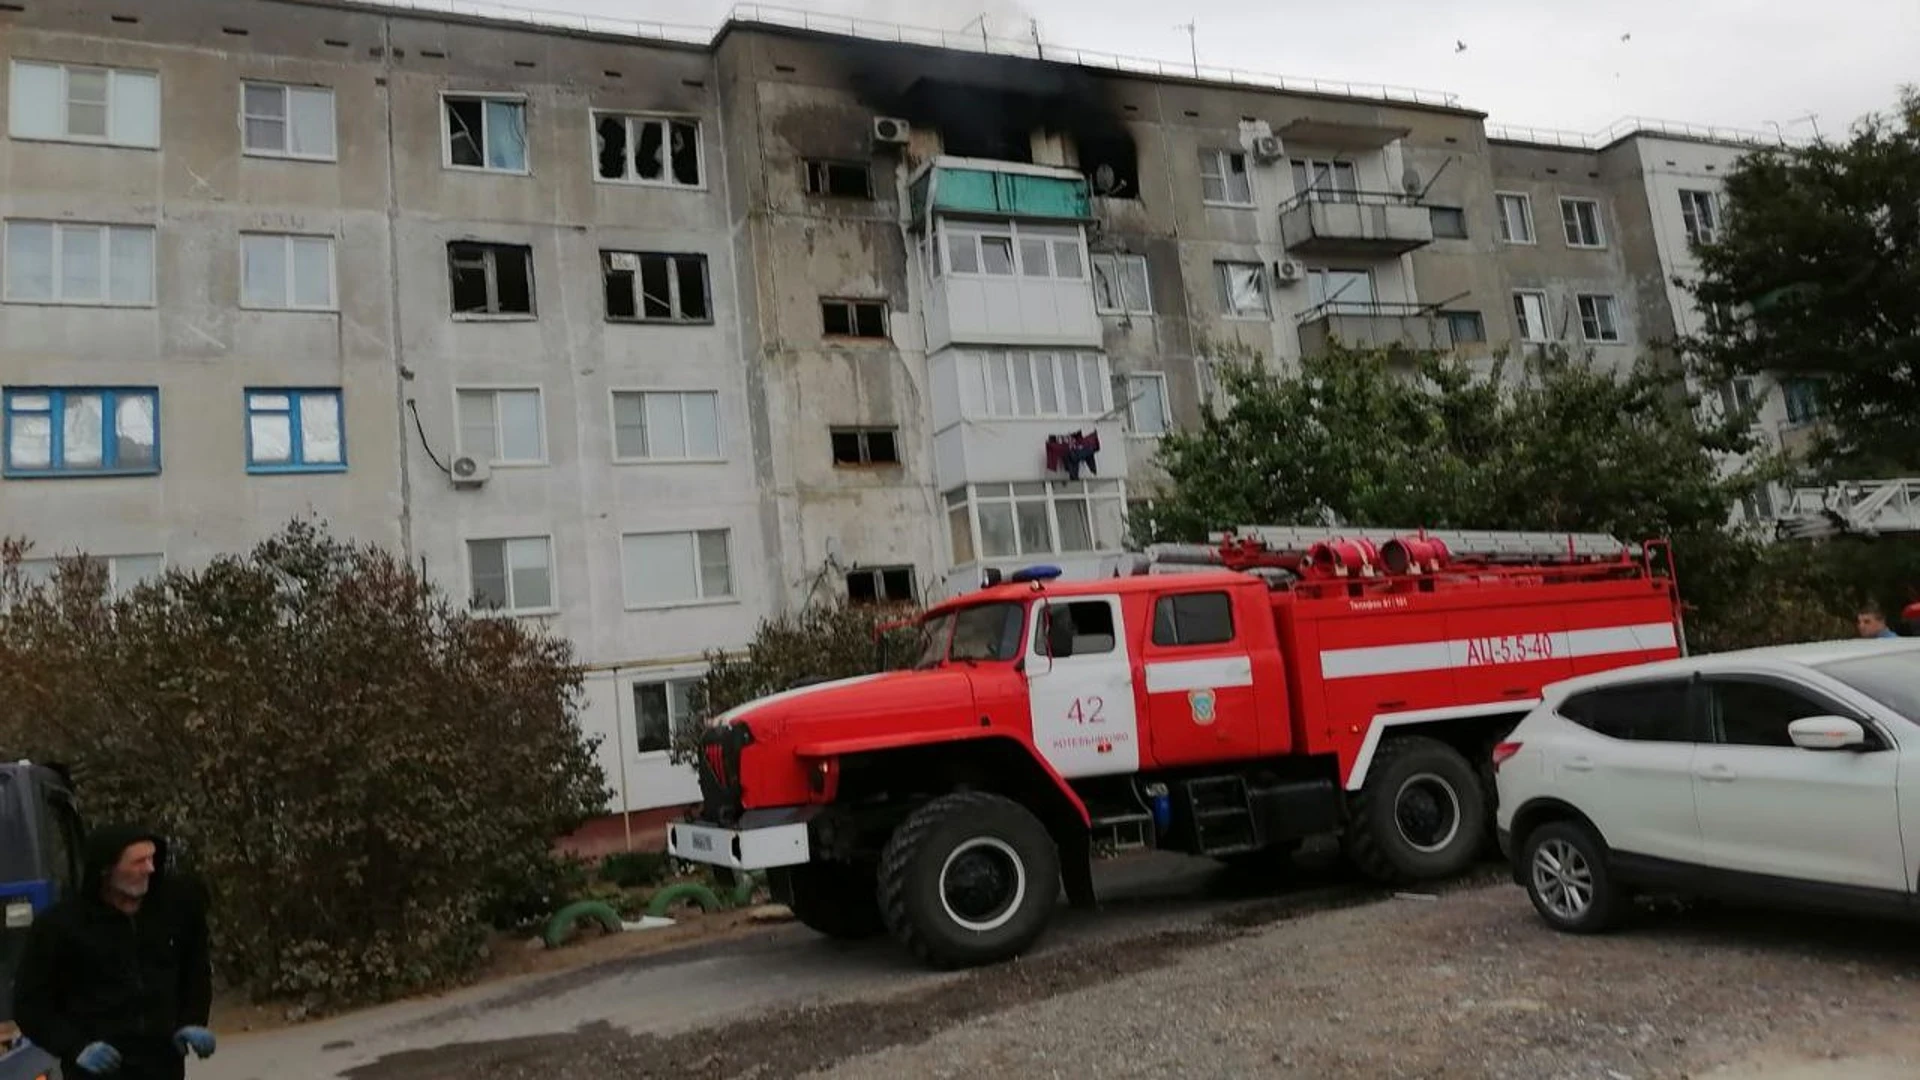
pixel 491 279
pixel 1120 285
pixel 647 149
pixel 1243 289
pixel 1224 178
pixel 843 179
pixel 865 446
pixel 854 318
pixel 647 286
pixel 487 133
pixel 880 585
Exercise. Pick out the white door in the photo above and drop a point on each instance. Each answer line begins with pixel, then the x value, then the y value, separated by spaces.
pixel 1769 807
pixel 1626 761
pixel 1084 720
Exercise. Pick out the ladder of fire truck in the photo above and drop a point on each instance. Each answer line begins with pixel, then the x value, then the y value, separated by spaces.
pixel 1859 507
pixel 1460 543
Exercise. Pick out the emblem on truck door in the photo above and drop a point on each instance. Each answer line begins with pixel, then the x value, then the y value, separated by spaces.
pixel 1201 703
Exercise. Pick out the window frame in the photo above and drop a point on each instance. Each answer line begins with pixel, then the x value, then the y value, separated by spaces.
pixel 1611 310
pixel 55 412
pixel 491 251
pixel 511 610
pixel 115 587
pixel 1546 321
pixel 1222 159
pixel 447 97
pixel 495 390
pixel 1432 221
pixel 294 395
pixel 54 266
pixel 683 393
pixel 1091 492
pixel 1134 401
pixel 1117 262
pixel 1101 388
pixel 287 239
pixel 630 178
pixel 287 90
pixel 1479 321
pixel 673 722
pixel 878 574
pixel 823 168
pixel 974 233
pixel 864 433
pixel 1171 600
pixel 1503 226
pixel 1223 286
pixel 1689 217
pixel 1309 167
pixel 66 70
pixel 673 278
pixel 852 303
pixel 732 595
pixel 1575 203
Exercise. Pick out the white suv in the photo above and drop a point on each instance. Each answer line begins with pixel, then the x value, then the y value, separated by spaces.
pixel 1789 774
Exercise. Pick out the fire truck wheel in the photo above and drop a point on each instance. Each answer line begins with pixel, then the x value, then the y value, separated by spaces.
pixel 969 878
pixel 834 899
pixel 1421 814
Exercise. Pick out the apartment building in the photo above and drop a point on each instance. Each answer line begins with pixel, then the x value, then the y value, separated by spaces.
pixel 646 340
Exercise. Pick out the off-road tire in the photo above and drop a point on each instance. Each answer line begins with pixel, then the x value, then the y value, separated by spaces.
pixel 834 899
pixel 914 864
pixel 1604 909
pixel 1374 841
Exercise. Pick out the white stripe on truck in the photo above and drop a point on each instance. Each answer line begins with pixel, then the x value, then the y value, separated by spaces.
pixel 1494 649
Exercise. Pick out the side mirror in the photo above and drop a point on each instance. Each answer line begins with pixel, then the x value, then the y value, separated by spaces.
pixel 1059 633
pixel 1827 733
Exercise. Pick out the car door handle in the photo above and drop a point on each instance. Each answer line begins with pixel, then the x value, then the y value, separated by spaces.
pixel 1718 774
pixel 1580 764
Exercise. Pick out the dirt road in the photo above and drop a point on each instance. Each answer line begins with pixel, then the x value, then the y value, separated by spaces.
pixel 1329 980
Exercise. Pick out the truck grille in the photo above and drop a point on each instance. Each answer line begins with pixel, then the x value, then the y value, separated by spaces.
pixel 719 771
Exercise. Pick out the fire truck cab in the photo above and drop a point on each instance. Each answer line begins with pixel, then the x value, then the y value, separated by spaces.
pixel 1229 701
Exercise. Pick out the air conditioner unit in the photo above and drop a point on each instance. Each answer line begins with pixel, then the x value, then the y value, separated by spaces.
pixel 1266 148
pixel 1286 271
pixel 890 129
pixel 469 471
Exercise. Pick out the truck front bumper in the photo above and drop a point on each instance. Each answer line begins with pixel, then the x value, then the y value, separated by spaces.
pixel 781 841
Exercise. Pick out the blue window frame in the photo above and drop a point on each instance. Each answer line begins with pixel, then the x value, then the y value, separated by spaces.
pixel 295 430
pixel 53 431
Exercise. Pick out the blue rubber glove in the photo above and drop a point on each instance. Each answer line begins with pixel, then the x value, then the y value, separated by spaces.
pixel 197 1039
pixel 99 1059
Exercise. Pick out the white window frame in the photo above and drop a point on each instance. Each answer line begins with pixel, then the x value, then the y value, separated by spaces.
pixel 512 610
pixel 1612 319
pixel 1092 492
pixel 446 131
pixel 287 92
pixel 646 392
pixel 286 256
pixel 674 723
pixel 66 70
pixel 1574 202
pixel 972 233
pixel 1694 233
pixel 499 431
pixel 732 595
pixel 1223 286
pixel 1503 225
pixel 1220 159
pixel 632 120
pixel 1520 327
pixel 1117 264
pixel 1100 389
pixel 41 568
pixel 107 231
pixel 1331 194
pixel 1135 402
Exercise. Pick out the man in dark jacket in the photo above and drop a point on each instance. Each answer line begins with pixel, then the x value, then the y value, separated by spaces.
pixel 116 979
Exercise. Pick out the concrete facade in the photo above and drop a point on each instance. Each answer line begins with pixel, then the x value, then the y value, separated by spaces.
pixel 647 341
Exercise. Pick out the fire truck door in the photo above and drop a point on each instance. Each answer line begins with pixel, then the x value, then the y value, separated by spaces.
pixel 1199 682
pixel 1080 688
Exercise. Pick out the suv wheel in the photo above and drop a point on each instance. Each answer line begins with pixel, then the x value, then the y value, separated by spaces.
pixel 969 878
pixel 1565 868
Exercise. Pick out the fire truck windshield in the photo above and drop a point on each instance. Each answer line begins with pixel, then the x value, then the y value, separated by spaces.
pixel 971 634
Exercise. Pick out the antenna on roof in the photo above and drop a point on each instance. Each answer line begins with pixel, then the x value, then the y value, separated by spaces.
pixel 1193 43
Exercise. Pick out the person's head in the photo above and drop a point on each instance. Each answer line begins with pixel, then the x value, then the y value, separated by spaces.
pixel 123 863
pixel 131 875
pixel 1870 620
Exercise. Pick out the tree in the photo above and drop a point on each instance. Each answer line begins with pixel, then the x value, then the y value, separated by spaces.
pixel 360 771
pixel 1814 274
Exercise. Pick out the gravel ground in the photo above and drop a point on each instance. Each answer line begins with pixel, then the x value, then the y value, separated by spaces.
pixel 1468 985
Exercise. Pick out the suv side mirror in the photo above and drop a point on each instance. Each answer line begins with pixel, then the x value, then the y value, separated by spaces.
pixel 1059 633
pixel 1827 733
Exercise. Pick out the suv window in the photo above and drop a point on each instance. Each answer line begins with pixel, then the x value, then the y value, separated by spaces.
pixel 1753 713
pixel 1092 626
pixel 1640 712
pixel 1193 619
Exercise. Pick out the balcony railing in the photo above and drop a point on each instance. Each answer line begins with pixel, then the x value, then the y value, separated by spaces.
pixel 1375 223
pixel 1346 197
pixel 1628 126
pixel 1372 324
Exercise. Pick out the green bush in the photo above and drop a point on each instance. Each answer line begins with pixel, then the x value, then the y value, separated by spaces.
pixel 364 774
pixel 632 869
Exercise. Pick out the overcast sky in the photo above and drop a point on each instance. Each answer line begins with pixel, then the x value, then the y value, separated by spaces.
pixel 1547 63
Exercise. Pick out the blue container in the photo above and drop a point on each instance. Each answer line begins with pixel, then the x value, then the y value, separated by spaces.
pixel 1162 807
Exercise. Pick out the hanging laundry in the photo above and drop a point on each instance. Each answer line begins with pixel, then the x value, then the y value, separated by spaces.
pixel 1073 452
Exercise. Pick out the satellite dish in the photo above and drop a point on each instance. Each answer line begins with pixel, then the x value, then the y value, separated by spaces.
pixel 1103 179
pixel 1410 181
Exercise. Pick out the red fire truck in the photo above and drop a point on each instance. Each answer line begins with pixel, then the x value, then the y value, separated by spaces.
pixel 1226 700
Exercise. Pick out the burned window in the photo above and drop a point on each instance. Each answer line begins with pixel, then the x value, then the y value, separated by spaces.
pixel 865 446
pixel 854 318
pixel 491 279
pixel 840 179
pixel 647 149
pixel 486 133
pixel 880 585
pixel 649 286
